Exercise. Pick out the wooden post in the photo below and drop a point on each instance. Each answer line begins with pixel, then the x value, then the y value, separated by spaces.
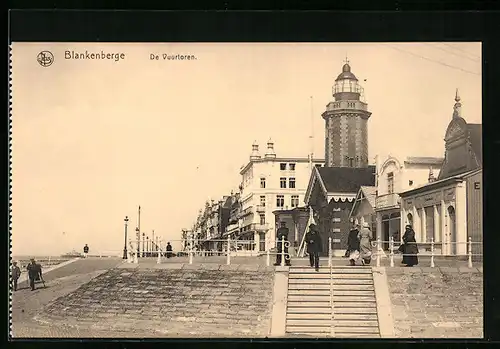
pixel 470 252
pixel 378 251
pixel 432 252
pixel 329 252
pixel 391 246
pixel 282 251
pixel 228 260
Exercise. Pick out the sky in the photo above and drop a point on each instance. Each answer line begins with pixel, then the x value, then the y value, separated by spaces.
pixel 93 139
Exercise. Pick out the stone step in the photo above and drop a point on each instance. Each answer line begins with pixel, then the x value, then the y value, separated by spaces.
pixel 327 287
pixel 367 305
pixel 334 281
pixel 356 335
pixel 338 316
pixel 338 299
pixel 356 330
pixel 308 329
pixel 315 292
pixel 311 322
pixel 297 316
pixel 304 298
pixel 354 310
pixel 311 310
pixel 355 323
pixel 333 271
pixel 353 293
pixel 309 304
pixel 336 276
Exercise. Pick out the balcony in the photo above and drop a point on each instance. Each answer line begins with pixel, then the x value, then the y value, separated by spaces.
pixel 261 227
pixel 260 208
pixel 232 228
pixel 387 201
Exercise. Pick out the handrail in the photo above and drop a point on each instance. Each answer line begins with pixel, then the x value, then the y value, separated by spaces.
pixel 332 311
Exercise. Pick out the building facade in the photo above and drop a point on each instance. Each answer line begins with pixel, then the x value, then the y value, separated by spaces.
pixel 449 209
pixel 381 205
pixel 270 183
pixel 346 123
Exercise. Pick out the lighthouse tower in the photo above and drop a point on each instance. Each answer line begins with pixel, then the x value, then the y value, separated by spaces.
pixel 346 123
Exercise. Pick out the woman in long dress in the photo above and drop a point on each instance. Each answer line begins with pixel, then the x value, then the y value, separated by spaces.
pixel 365 246
pixel 353 245
pixel 410 248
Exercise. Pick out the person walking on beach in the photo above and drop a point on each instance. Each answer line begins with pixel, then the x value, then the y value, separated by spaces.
pixel 365 246
pixel 410 248
pixel 34 272
pixel 314 246
pixel 85 250
pixel 16 274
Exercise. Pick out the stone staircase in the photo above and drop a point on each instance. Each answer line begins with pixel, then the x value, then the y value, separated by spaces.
pixel 348 309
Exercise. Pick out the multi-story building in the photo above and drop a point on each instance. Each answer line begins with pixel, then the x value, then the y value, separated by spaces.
pixel 270 183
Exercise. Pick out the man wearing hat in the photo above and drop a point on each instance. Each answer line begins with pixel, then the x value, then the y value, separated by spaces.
pixel 16 274
pixel 314 246
pixel 34 272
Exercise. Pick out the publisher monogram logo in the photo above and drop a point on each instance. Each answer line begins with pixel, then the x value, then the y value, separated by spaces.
pixel 45 58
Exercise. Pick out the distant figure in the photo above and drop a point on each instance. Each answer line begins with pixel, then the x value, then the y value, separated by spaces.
pixel 169 250
pixel 282 233
pixel 353 245
pixel 85 250
pixel 365 246
pixel 410 248
pixel 16 274
pixel 314 246
pixel 34 272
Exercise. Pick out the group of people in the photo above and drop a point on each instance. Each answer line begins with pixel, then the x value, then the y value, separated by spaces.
pixel 34 273
pixel 359 245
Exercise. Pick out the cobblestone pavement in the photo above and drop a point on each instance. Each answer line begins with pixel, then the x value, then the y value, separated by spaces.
pixel 59 282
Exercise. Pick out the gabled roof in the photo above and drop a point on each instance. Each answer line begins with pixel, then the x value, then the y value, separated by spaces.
pixel 476 140
pixel 367 192
pixel 345 181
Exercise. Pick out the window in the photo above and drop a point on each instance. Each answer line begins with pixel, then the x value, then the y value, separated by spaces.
pixel 280 200
pixel 262 218
pixel 390 182
pixel 282 167
pixel 291 167
pixel 291 182
pixel 262 182
pixel 262 241
pixel 282 182
pixel 295 201
pixel 263 200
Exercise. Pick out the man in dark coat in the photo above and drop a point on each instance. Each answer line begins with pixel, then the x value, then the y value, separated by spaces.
pixel 169 250
pixel 85 250
pixel 34 272
pixel 314 246
pixel 282 233
pixel 16 274
pixel 410 248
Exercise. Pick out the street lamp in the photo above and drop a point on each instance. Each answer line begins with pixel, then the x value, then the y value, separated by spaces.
pixel 125 243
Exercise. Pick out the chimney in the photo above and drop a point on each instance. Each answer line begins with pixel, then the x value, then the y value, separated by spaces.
pixel 255 151
pixel 270 153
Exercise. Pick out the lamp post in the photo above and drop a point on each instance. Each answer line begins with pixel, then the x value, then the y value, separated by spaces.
pixel 125 243
pixel 143 243
pixel 138 240
pixel 147 246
